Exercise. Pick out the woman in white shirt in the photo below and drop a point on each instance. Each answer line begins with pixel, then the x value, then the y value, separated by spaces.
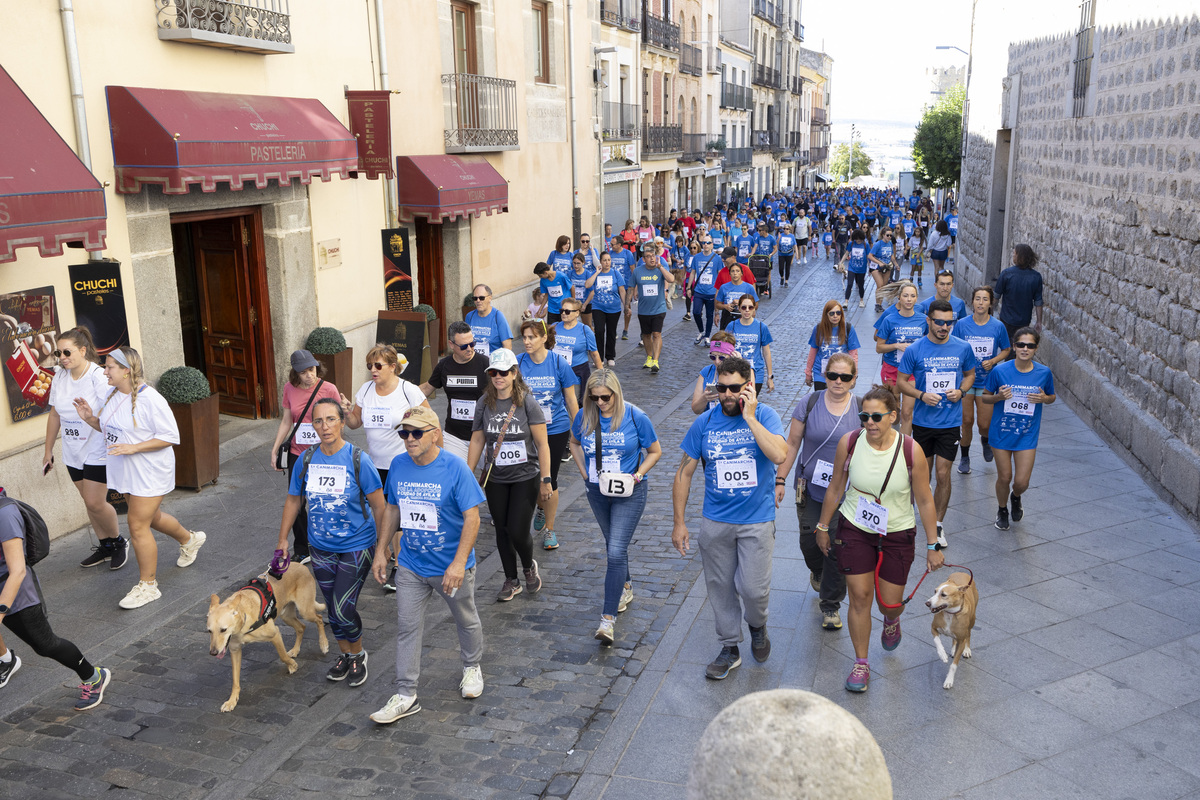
pixel 79 375
pixel 939 246
pixel 380 403
pixel 139 429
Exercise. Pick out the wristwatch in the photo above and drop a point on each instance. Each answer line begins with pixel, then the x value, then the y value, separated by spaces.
pixel 3 609
pixel 547 480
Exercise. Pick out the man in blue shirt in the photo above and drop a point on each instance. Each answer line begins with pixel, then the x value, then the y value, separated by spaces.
pixel 943 288
pixel 1020 287
pixel 741 444
pixel 651 282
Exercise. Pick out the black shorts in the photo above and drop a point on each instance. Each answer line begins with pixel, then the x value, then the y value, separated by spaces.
pixel 804 242
pixel 552 318
pixel 90 472
pixel 651 323
pixel 940 442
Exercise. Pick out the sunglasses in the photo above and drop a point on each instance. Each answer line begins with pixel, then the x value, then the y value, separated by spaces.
pixel 492 373
pixel 839 376
pixel 942 323
pixel 404 433
pixel 566 311
pixel 479 298
pixel 1025 345
pixel 466 346
pixel 717 357
pixel 375 365
pixel 601 398
pixel 730 388
pixel 585 241
pixel 63 353
pixel 835 313
pixel 876 417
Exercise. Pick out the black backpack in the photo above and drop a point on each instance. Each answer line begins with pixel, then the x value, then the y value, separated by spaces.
pixel 37 535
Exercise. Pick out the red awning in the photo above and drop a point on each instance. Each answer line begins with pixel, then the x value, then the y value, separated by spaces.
pixel 175 138
pixel 47 196
pixel 448 187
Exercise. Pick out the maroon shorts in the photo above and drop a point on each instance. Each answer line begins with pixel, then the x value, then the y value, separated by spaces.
pixel 888 373
pixel 857 552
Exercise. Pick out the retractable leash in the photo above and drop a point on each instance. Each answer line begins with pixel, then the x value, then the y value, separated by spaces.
pixel 904 602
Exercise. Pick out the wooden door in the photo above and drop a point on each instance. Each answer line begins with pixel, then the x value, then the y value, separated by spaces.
pixel 431 279
pixel 462 17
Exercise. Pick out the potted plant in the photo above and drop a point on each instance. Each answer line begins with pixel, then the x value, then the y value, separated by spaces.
pixel 329 347
pixel 197 413
pixel 431 320
pixel 468 304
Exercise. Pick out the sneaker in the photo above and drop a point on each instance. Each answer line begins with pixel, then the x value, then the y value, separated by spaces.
pixel 649 361
pixel 7 669
pixel 533 579
pixel 814 580
pixel 120 553
pixel 626 599
pixel 964 465
pixel 397 707
pixel 100 553
pixel 729 658
pixel 641 343
pixel 941 536
pixel 1002 519
pixel 878 307
pixel 91 693
pixel 141 594
pixel 509 590
pixel 699 339
pixel 624 336
pixel 539 520
pixel 920 283
pixel 306 560
pixel 340 668
pixel 862 303
pixel 471 684
pixel 760 643
pixel 189 549
pixel 654 367
pixel 566 457
pixel 831 620
pixel 1017 511
pixel 858 678
pixel 358 669
pixel 549 540
pixel 390 584
pixel 987 452
pixel 612 362
pixel 890 637
pixel 687 317
pixel 706 341
pixel 606 634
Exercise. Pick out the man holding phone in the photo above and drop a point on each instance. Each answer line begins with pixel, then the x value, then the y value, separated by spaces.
pixel 740 443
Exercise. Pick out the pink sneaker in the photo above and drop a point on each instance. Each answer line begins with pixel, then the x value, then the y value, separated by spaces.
pixel 859 677
pixel 890 638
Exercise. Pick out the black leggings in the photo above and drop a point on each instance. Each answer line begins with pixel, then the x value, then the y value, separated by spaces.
pixel 558 446
pixel 853 278
pixel 300 526
pixel 511 506
pixel 606 332
pixel 785 267
pixel 31 627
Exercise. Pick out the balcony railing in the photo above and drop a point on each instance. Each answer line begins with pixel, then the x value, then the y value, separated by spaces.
pixel 694 146
pixel 794 140
pixel 714 59
pixel 818 116
pixel 252 26
pixel 621 121
pixel 796 84
pixel 738 158
pixel 734 96
pixel 481 113
pixel 766 76
pixel 659 139
pixel 659 32
pixel 769 10
pixel 691 60
pixel 818 154
pixel 764 140
pixel 623 14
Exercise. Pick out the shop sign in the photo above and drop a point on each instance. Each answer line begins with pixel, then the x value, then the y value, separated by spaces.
pixel 99 302
pixel 371 124
pixel 28 338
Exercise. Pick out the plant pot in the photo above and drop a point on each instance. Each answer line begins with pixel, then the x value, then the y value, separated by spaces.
pixel 198 454
pixel 339 370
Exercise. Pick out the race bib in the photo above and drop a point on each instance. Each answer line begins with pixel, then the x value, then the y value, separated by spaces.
pixel 580 291
pixel 418 515
pixel 463 410
pixel 822 474
pixel 565 352
pixel 74 432
pixel 547 410
pixel 483 348
pixel 706 279
pixel 650 289
pixel 737 473
pixel 939 382
pixel 512 453
pixel 981 347
pixel 306 435
pixel 461 382
pixel 1019 404
pixel 824 366
pixel 377 417
pixel 871 516
pixel 610 463
pixel 112 435
pixel 326 479
pixel 554 291
pixel 604 282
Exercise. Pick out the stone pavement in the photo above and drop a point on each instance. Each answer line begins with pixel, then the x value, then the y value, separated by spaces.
pixel 1083 656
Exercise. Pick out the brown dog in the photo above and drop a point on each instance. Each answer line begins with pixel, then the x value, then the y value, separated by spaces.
pixel 229 622
pixel 953 606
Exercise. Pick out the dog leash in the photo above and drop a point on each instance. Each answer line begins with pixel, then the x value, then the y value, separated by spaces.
pixel 911 594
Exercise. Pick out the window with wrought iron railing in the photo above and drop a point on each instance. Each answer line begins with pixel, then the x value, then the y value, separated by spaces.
pixel 481 113
pixel 252 26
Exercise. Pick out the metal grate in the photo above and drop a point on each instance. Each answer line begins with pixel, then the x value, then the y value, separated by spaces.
pixel 1083 56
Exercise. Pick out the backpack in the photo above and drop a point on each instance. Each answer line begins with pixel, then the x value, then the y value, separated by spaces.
pixel 357 456
pixel 37 535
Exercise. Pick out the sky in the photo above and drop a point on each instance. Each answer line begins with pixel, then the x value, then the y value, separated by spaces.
pixel 881 49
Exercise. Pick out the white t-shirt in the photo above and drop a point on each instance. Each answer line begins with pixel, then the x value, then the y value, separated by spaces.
pixel 81 443
pixel 141 474
pixel 381 415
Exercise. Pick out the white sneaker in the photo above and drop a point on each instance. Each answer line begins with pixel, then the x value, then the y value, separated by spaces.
pixel 626 599
pixel 472 682
pixel 189 549
pixel 612 362
pixel 141 594
pixel 397 706
pixel 862 304
pixel 605 633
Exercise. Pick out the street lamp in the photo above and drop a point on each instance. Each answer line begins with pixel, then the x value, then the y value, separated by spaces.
pixel 850 165
pixel 952 47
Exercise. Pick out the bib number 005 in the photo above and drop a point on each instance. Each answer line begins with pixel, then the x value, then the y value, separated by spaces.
pixel 737 473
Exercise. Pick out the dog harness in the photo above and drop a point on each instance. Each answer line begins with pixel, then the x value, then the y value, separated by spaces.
pixel 266 599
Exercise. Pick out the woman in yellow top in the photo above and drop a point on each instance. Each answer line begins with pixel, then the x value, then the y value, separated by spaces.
pixel 876 526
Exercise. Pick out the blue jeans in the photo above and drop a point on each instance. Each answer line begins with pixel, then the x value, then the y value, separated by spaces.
pixel 618 518
pixel 705 303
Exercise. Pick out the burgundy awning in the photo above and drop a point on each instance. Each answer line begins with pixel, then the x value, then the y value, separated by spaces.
pixel 448 187
pixel 176 138
pixel 47 196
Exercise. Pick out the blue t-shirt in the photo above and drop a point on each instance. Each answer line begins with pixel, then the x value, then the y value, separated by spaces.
pixel 937 368
pixel 432 500
pixel 556 290
pixel 718 238
pixel 986 340
pixel 952 224
pixel 651 289
pixel 580 340
pixel 607 290
pixel 729 293
pixel 750 341
pixel 560 261
pixel 913 202
pixel 706 268
pixel 578 288
pixel 909 226
pixel 894 218
pixel 827 238
pixel 787 243
pixel 764 244
pixel 827 349
pixel 895 328
pixel 336 520
pixel 858 257
pixel 634 434
pixel 956 302
pixel 622 262
pixel 744 245
pixel 490 331
pixel 547 381
pixel 709 375
pixel 739 481
pixel 882 251
pixel 1013 427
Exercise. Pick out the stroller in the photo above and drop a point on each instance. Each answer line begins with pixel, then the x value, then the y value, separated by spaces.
pixel 760 267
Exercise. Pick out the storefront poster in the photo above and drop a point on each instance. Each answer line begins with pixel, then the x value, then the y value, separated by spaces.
pixel 99 303
pixel 397 270
pixel 28 337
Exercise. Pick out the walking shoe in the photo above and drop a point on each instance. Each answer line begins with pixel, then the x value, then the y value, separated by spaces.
pixel 612 362
pixel 358 669
pixel 920 283
pixel 471 684
pixel 729 658
pixel 831 620
pixel 189 549
pixel 606 633
pixel 340 668
pixel 641 343
pixel 707 341
pixel 8 668
pixel 566 457
pixel 941 536
pixel 687 317
pixel 699 339
pixel 1002 519
pixel 539 520
pixel 862 303
pixel 533 579
pixel 100 553
pixel 654 367
pixel 859 677
pixel 307 559
pixel 814 580
pixel 1017 510
pixel 760 643
pixel 509 590
pixel 624 336
pixel 92 692
pixel 890 637
pixel 626 599
pixel 649 361
pixel 964 465
pixel 120 552
pixel 397 706
pixel 549 540
pixel 987 452
pixel 390 584
pixel 878 307
pixel 141 594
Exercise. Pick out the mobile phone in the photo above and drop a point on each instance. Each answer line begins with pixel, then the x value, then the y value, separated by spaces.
pixel 46 468
pixel 710 387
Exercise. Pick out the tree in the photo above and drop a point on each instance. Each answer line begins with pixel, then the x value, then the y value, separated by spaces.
pixel 840 163
pixel 937 143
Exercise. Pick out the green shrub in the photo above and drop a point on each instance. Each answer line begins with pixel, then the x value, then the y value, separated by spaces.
pixel 325 341
pixel 183 385
pixel 430 314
